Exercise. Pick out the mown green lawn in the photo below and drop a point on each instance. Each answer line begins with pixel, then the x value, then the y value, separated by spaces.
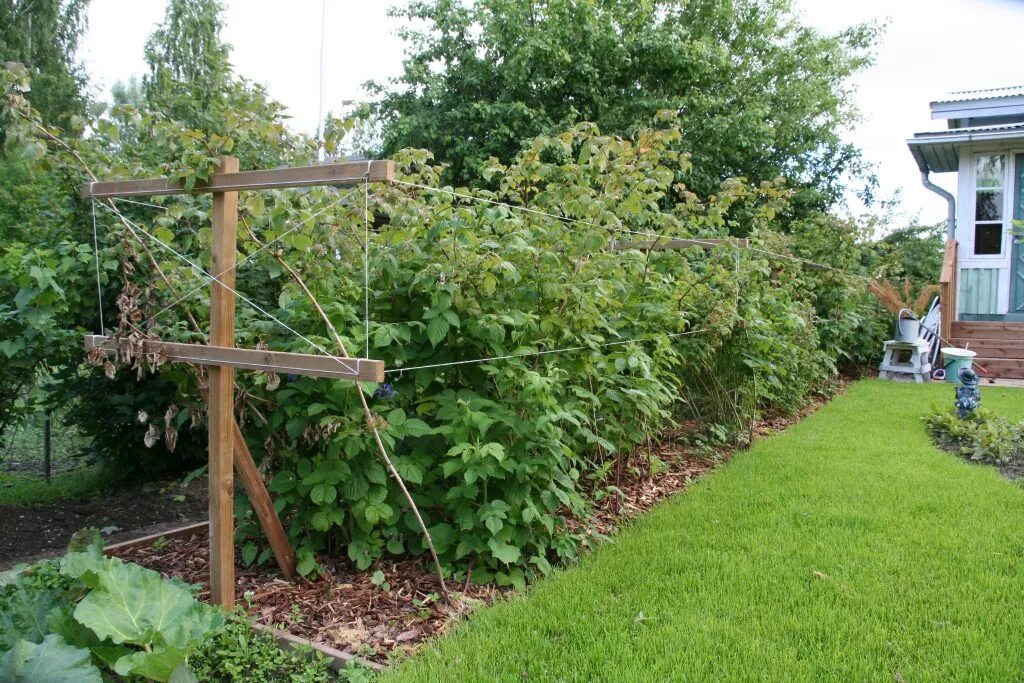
pixel 844 549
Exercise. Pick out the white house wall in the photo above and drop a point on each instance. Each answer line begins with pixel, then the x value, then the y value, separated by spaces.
pixel 965 218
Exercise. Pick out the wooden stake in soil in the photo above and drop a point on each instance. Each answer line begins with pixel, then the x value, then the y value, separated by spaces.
pixel 221 415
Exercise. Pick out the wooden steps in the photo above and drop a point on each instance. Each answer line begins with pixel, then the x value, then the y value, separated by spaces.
pixel 1000 346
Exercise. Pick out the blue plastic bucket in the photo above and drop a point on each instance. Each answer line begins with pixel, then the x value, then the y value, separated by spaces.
pixel 953 360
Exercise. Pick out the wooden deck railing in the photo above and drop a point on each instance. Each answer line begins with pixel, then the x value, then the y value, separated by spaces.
pixel 947 291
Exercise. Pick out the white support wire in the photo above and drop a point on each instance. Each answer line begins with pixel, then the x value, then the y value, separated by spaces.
pixel 96 253
pixel 239 264
pixel 366 288
pixel 529 354
pixel 603 227
pixel 133 201
pixel 342 361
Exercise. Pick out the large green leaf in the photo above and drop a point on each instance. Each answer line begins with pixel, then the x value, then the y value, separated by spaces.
pixel 157 665
pixel 86 567
pixel 132 604
pixel 25 614
pixel 509 554
pixel 437 330
pixel 52 661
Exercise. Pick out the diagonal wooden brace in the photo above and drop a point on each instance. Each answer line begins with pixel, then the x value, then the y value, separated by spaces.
pixel 262 504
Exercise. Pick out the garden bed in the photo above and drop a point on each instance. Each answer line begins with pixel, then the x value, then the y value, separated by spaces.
pixel 982 437
pixel 345 610
pixel 34 531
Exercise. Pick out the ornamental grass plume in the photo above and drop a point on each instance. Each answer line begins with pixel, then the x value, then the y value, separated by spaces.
pixel 893 298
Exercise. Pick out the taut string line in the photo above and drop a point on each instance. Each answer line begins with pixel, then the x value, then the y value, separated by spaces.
pixel 566 219
pixel 239 264
pixel 528 354
pixel 254 305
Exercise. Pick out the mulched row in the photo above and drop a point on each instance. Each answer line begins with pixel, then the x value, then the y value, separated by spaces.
pixel 343 609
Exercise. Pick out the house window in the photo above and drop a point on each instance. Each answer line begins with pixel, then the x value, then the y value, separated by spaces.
pixel 988 204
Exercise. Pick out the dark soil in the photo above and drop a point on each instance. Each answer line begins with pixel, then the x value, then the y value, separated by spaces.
pixel 1013 469
pixel 342 608
pixel 35 531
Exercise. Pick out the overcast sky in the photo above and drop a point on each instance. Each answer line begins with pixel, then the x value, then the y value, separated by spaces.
pixel 930 47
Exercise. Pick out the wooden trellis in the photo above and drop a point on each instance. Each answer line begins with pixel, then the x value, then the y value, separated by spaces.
pixel 227 447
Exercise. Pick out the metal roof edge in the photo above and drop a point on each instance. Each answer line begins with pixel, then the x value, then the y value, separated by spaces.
pixel 981 94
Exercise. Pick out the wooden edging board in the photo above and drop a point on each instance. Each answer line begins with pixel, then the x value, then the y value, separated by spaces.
pixel 180 532
pixel 337 659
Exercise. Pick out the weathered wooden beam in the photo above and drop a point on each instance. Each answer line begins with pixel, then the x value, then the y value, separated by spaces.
pixel 280 362
pixel 263 506
pixel 667 244
pixel 347 173
pixel 180 532
pixel 948 290
pixel 220 422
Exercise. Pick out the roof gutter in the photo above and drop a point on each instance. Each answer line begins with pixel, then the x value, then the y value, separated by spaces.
pixel 950 200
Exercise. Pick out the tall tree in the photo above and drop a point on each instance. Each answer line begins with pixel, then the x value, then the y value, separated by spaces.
pixel 188 62
pixel 44 36
pixel 191 83
pixel 759 94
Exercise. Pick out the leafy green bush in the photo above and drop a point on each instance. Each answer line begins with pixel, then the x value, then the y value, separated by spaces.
pixel 85 617
pixel 982 436
pixel 89 613
pixel 495 450
pixel 599 349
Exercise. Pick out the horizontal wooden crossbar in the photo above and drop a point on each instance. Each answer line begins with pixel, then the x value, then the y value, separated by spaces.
pixel 347 173
pixel 666 244
pixel 360 369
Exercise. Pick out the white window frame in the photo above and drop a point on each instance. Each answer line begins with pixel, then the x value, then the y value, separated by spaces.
pixel 1008 174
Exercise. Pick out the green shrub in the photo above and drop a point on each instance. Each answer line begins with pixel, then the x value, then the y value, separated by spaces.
pixel 600 349
pixel 86 616
pixel 982 436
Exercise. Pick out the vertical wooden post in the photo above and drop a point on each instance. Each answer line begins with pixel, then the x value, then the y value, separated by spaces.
pixel 221 419
pixel 948 291
pixel 47 446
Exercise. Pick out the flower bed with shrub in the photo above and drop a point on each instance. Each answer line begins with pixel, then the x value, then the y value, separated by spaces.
pixel 982 437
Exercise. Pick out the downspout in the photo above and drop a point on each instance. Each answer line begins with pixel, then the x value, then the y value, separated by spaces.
pixel 950 199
